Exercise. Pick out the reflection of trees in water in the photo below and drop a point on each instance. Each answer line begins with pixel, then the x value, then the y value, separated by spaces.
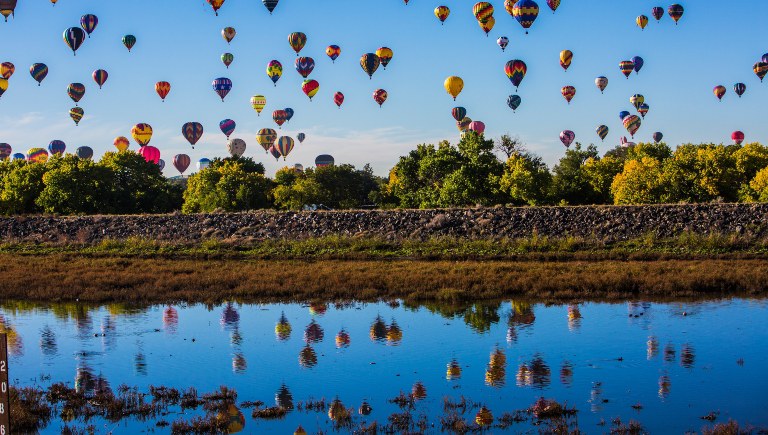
pixel 522 314
pixel 478 316
pixel 574 317
pixel 496 371
pixel 15 344
pixel 665 385
pixel 535 373
pixel 318 308
pixel 283 328
pixel 687 356
pixel 307 357
pixel 48 344
pixel 566 373
pixel 89 384
pixel 170 320
pixel 652 348
pixel 313 333
pixel 283 397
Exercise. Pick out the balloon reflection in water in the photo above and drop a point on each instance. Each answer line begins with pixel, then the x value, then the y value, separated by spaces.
pixel 299 431
pixel 453 371
pixel 140 364
pixel 318 309
pixel 90 385
pixel 307 357
pixel 283 328
pixel 48 345
pixel 342 339
pixel 365 408
pixel 522 314
pixel 574 317
pixel 652 350
pixel 313 333
pixel 170 320
pixel 566 374
pixel 687 356
pixel 239 364
pixel 234 419
pixel 394 334
pixel 669 353
pixel 594 397
pixel 378 331
pixel 337 411
pixel 229 317
pixel 283 397
pixel 535 373
pixel 496 372
pixel 419 391
pixel 15 344
pixel 665 385
pixel 484 417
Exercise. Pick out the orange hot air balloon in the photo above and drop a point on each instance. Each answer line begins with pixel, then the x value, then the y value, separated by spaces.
pixel 216 5
pixel 568 93
pixel 121 143
pixel 228 33
pixel 162 89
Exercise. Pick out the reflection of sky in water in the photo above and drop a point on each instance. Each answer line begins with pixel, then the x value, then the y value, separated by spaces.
pixel 679 361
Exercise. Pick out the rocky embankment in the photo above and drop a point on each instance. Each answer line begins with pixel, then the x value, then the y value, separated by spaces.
pixel 604 222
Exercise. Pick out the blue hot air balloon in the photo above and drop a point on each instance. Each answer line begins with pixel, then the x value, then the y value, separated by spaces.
pixel 623 114
pixel 639 62
pixel 289 112
pixel 57 147
pixel 222 86
pixel 227 127
pixel 513 101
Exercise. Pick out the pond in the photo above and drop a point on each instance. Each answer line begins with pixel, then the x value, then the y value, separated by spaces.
pixel 661 365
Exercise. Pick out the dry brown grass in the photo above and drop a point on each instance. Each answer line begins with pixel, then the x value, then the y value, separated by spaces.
pixel 62 277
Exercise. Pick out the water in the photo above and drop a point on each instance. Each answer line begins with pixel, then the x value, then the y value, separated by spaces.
pixel 676 362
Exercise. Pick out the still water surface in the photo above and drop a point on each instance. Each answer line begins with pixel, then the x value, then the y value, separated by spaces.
pixel 675 362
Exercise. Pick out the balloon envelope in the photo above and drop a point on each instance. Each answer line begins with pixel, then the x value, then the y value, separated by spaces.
pixel 236 147
pixel 150 153
pixel 324 160
pixel 84 152
pixel 181 162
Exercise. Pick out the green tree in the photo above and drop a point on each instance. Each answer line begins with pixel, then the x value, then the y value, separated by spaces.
pixel 759 186
pixel 659 151
pixel 570 184
pixel 750 159
pixel 600 173
pixel 526 179
pixel 701 173
pixel 639 183
pixel 227 186
pixel 249 165
pixel 138 186
pixel 75 186
pixel 22 184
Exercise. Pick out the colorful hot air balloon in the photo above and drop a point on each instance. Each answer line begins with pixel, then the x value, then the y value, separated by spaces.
pixel 477 126
pixel 121 143
pixel 458 113
pixel 89 22
pixel 274 151
pixel 74 37
pixel 5 151
pixel 236 147
pixel 7 69
pixel 502 42
pixel 274 70
pixel 567 137
pixel 297 40
pixel 266 138
pixel 203 164
pixel 38 71
pixel 636 100
pixel 442 12
pixel 623 114
pixel 737 137
pixel 602 131
pixel 304 66
pixel 627 66
pixel 215 5
pixel 228 33
pixel 370 63
pixel 258 102
pixel 658 13
pixel 643 109
pixel 76 91
pixel 181 162
pixel 464 123
pixel 658 136
pixel 129 41
pixel 301 137
pixel 227 127
pixel 632 124
pixel 270 5
pixel 487 26
pixel 100 77
pixel 719 92
pixel 284 146
pixel 380 96
pixel 7 7
pixel 37 155
pixel 160 164
pixel 150 154
pixel 516 70
pixel 192 132
pixel 227 59
pixel 453 85
pixel 288 114
pixel 739 88
pixel 324 160
pixel 568 93
pixel 524 11
pixel 642 21
pixel 222 86
pixel 765 58
pixel 566 57
pixel 553 4
pixel 333 51
pixel 483 11
pixel 85 153
pixel 514 101
pixel 142 134
pixel 601 83
pixel 279 116
pixel 76 113
pixel 57 147
pixel 761 69
pixel 3 86
pixel 310 88
pixel 338 98
pixel 639 62
pixel 162 89
pixel 676 12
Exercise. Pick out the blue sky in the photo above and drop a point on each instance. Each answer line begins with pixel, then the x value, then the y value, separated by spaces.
pixel 180 41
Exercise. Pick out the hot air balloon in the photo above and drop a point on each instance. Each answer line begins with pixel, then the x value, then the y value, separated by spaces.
pixel 566 57
pixel 142 134
pixel 181 162
pixel 304 66
pixel 514 101
pixel 380 96
pixel 121 143
pixel 227 59
pixel 258 102
pixel 453 85
pixel 477 126
pixel 676 12
pixel 487 26
pixel 719 92
pixel 6 70
pixel 442 12
pixel 203 164
pixel 739 88
pixel 553 4
pixel 129 41
pixel 761 69
pixel 524 11
pixel 150 154
pixel 3 86
pixel 658 136
pixel 601 83
pixel 765 58
pixel 74 37
pixel 266 138
pixel 632 124
pixel 89 22
pixel 284 146
pixel 516 70
pixel 288 114
pixel 236 147
pixel 643 109
pixel 270 5
pixel 274 70
pixel 18 156
pixel 279 116
pixel 484 417
pixel 370 63
pixel 76 91
pixel 228 33
pixel 57 147
pixel 636 100
pixel 5 151
pixel 627 66
pixel 162 89
pixel 76 113
pixel 301 137
pixel 642 21
pixel 639 62
pixel 37 155
pixel 658 13
pixel 38 71
pixel 310 88
pixel 502 42
pixel 567 137
pixel 623 114
pixel 602 131
pixel 324 160
pixel 458 113
pixel 215 4
pixel 192 132
pixel 85 153
pixel 227 127
pixel 338 98
pixel 297 40
pixel 483 11
pixel 100 77
pixel 333 51
pixel 737 137
pixel 463 125
pixel 568 93
pixel 222 86
pixel 7 7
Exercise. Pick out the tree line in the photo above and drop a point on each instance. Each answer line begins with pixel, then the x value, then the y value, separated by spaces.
pixel 430 176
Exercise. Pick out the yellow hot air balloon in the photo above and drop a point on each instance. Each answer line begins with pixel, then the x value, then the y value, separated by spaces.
pixel 385 55
pixel 3 85
pixel 121 143
pixel 442 12
pixel 487 25
pixel 142 133
pixel 454 85
pixel 258 102
pixel 642 21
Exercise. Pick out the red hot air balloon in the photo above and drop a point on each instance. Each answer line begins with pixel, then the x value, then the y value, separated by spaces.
pixel 279 116
pixel 150 153
pixel 100 77
pixel 380 96
pixel 737 137
pixel 181 162
pixel 338 98
pixel 162 89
